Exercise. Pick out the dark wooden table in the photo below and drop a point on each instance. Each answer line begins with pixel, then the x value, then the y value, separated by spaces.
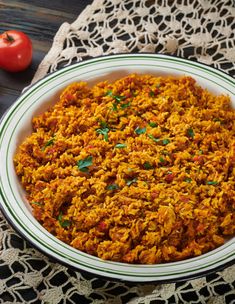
pixel 40 19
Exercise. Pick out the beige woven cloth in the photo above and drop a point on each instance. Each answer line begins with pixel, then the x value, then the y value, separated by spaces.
pixel 202 30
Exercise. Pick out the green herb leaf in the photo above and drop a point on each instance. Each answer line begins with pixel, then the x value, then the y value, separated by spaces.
pixel 109 93
pixel 117 98
pixel 104 131
pixel 66 223
pixel 214 183
pixel 166 141
pixel 83 164
pixel 49 143
pixel 162 160
pixel 153 124
pixel 85 169
pixel 112 187
pixel 188 180
pixel 151 94
pixel 131 181
pixel 200 151
pixel 114 108
pixel 164 152
pixel 147 166
pixel 63 223
pixel 103 124
pixel 218 120
pixel 120 146
pixel 36 203
pixel 153 138
pixel 106 137
pixel 139 130
pixel 190 133
pixel 60 216
pixel 125 105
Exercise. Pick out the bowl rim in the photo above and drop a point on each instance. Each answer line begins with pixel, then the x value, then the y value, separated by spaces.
pixel 85 62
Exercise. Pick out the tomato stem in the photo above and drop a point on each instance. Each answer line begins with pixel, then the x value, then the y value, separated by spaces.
pixel 9 38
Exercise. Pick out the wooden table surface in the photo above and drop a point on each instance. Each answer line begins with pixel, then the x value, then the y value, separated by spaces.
pixel 40 19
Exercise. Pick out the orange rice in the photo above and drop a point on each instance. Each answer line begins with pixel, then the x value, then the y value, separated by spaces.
pixel 140 170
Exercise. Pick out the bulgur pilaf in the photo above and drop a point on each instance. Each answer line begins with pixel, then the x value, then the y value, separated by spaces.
pixel 140 170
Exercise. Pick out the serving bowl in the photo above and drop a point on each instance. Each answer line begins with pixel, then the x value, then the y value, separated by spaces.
pixel 16 125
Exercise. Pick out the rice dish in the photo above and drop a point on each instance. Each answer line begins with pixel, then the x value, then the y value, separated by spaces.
pixel 140 170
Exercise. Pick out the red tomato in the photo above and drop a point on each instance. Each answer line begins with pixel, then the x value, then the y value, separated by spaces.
pixel 15 51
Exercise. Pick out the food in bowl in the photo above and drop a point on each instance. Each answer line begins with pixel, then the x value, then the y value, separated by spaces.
pixel 140 170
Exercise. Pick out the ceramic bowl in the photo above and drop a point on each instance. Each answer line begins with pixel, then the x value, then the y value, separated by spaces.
pixel 16 125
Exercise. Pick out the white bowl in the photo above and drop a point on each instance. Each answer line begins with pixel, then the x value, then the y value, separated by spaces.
pixel 16 124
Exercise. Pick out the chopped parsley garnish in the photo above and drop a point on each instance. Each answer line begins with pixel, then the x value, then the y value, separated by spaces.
pixel 49 143
pixel 153 124
pixel 104 131
pixel 147 166
pixel 131 181
pixel 63 223
pixel 151 94
pixel 109 93
pixel 112 187
pixel 214 183
pixel 139 130
pixel 83 164
pixel 114 108
pixel 166 141
pixel 103 124
pixel 218 120
pixel 164 152
pixel 117 99
pixel 153 138
pixel 36 203
pixel 162 160
pixel 190 133
pixel 120 146
pixel 125 105
pixel 188 180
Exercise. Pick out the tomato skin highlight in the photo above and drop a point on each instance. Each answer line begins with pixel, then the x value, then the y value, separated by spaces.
pixel 15 51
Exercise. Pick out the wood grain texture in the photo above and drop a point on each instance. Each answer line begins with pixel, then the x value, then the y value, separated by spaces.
pixel 40 20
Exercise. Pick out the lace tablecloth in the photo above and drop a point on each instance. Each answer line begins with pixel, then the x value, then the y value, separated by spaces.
pixel 202 30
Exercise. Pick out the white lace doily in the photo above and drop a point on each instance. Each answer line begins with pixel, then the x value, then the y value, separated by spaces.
pixel 202 30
